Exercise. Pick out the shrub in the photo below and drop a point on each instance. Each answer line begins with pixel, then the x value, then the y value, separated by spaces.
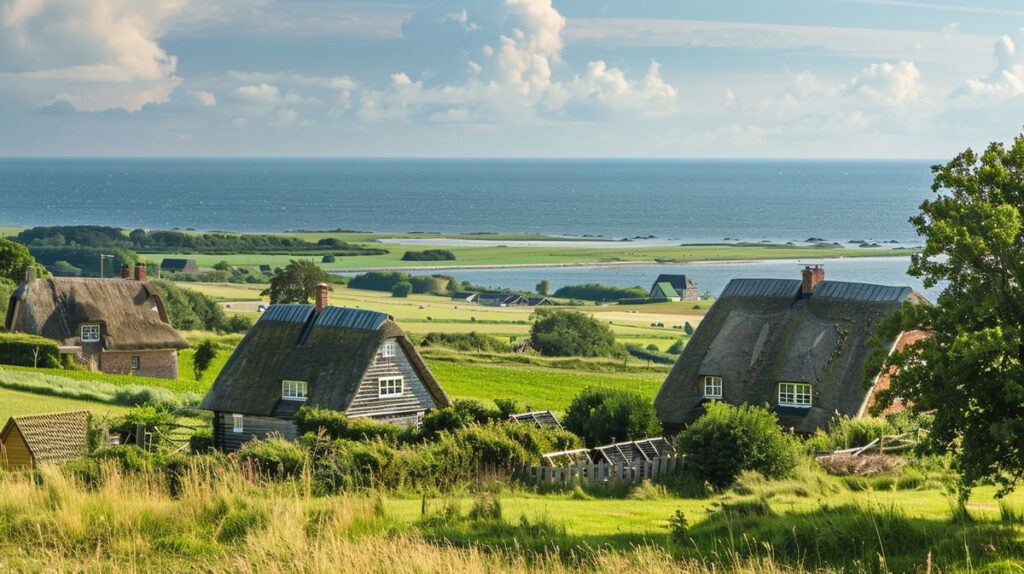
pixel 602 416
pixel 238 323
pixel 651 355
pixel 337 425
pixel 443 420
pixel 471 341
pixel 596 292
pixel 847 432
pixel 563 333
pixel 476 411
pixel 429 255
pixel 401 289
pixel 204 355
pixel 377 280
pixel 676 348
pixel 190 310
pixel 274 456
pixel 27 350
pixel 201 441
pixel 148 418
pixel 328 259
pixel 728 440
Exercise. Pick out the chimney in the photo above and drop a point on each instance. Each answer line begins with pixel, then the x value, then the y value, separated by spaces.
pixel 126 272
pixel 321 296
pixel 30 273
pixel 812 275
pixel 140 271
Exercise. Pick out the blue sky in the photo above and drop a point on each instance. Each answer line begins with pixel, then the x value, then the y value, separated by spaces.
pixel 509 78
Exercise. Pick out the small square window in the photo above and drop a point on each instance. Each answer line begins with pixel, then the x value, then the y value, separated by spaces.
pixel 795 395
pixel 713 387
pixel 387 352
pixel 390 387
pixel 136 362
pixel 294 390
pixel 90 333
pixel 238 423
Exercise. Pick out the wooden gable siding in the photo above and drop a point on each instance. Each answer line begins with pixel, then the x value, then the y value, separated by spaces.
pixel 367 403
pixel 253 427
pixel 15 450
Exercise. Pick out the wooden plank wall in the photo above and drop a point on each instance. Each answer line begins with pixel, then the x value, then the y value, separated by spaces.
pixel 15 450
pixel 367 403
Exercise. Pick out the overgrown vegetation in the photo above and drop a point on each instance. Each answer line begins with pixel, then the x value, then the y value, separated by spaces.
pixel 25 350
pixel 429 255
pixel 471 341
pixel 597 292
pixel 603 416
pixel 562 333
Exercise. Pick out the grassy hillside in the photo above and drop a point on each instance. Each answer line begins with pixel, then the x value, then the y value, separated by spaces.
pixel 20 403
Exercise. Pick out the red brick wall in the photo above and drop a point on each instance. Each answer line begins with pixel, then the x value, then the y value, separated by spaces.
pixel 160 364
pixel 906 339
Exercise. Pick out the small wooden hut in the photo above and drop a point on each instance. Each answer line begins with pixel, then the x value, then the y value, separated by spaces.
pixel 28 441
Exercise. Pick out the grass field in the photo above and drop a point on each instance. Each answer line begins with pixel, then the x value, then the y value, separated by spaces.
pixel 18 403
pixel 554 255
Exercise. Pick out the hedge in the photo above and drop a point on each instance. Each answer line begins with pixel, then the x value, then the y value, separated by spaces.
pixel 429 255
pixel 19 349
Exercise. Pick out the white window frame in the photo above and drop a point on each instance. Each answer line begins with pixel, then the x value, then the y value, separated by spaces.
pixel 713 387
pixel 294 390
pixel 797 395
pixel 91 333
pixel 237 423
pixel 388 352
pixel 387 387
pixel 136 362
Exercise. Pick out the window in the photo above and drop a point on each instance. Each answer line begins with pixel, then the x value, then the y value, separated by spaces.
pixel 713 387
pixel 136 362
pixel 238 422
pixel 293 390
pixel 795 395
pixel 90 333
pixel 390 387
pixel 387 352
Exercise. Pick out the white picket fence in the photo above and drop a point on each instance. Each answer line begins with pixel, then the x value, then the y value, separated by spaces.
pixel 601 472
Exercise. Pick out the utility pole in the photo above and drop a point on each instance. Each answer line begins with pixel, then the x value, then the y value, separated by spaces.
pixel 102 257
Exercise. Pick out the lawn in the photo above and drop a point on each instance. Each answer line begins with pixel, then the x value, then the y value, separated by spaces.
pixel 19 403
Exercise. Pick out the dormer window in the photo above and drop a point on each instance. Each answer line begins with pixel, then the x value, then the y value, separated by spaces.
pixel 797 395
pixel 294 390
pixel 387 352
pixel 90 333
pixel 712 387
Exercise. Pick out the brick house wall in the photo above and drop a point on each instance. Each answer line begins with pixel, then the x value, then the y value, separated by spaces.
pixel 882 383
pixel 160 364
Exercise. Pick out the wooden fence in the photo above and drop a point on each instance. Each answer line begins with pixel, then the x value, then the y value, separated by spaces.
pixel 882 445
pixel 601 472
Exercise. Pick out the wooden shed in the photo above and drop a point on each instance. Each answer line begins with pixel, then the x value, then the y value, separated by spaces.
pixel 179 265
pixel 30 440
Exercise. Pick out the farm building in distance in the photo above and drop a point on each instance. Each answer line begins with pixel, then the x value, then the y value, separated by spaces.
pixel 109 325
pixel 179 266
pixel 30 440
pixel 675 287
pixel 800 346
pixel 350 360
pixel 464 297
pixel 502 300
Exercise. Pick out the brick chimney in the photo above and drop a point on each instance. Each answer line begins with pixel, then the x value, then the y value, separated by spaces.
pixel 321 296
pixel 812 275
pixel 126 272
pixel 30 273
pixel 140 271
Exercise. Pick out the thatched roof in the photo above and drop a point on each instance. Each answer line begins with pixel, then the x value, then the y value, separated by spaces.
pixel 179 265
pixel 131 313
pixel 761 332
pixel 54 437
pixel 331 351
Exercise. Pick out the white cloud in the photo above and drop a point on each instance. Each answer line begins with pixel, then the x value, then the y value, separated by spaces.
pixel 610 86
pixel 270 95
pixel 203 97
pixel 1007 79
pixel 888 84
pixel 95 54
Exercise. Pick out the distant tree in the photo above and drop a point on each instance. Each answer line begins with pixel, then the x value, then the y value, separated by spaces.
pixel 205 353
pixel 676 348
pixel 328 259
pixel 558 332
pixel 601 416
pixel 14 260
pixel 65 269
pixel 688 328
pixel 7 288
pixel 542 287
pixel 295 283
pixel 969 369
pixel 401 289
pixel 222 266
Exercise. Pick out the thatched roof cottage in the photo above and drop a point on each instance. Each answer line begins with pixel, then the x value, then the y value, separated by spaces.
pixel 799 346
pixel 350 360
pixel 108 325
pixel 30 440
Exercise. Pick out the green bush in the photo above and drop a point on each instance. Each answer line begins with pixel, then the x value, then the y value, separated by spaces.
pixel 190 310
pixel 429 255
pixel 328 259
pixel 848 432
pixel 728 440
pixel 337 425
pixel 274 456
pixel 401 289
pixel 603 416
pixel 443 420
pixel 564 333
pixel 596 292
pixel 676 348
pixel 201 441
pixel 654 356
pixel 27 350
pixel 471 341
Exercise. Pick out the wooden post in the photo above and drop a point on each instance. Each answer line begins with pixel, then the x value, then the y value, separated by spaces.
pixel 140 436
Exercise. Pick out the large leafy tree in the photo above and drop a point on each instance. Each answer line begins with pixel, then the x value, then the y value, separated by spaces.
pixel 970 369
pixel 14 260
pixel 295 283
pixel 561 333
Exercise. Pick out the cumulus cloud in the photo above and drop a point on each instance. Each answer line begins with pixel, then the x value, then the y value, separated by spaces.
pixel 888 84
pixel 610 86
pixel 203 97
pixel 1007 79
pixel 95 54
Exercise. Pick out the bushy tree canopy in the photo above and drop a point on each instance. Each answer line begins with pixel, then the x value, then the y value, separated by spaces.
pixel 602 416
pixel 563 333
pixel 971 368
pixel 295 283
pixel 14 260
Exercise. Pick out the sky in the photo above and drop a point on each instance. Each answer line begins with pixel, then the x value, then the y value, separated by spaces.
pixel 510 78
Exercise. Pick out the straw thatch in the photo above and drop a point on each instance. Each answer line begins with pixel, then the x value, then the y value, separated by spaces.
pixel 131 313
pixel 762 332
pixel 293 342
pixel 52 437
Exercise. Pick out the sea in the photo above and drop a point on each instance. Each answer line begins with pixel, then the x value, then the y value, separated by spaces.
pixel 645 201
